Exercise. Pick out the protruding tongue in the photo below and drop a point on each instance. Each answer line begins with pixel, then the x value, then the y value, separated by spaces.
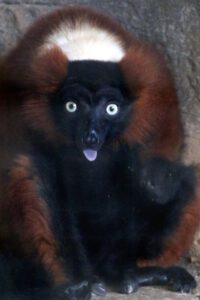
pixel 90 154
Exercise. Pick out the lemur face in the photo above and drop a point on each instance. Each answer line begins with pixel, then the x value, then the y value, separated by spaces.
pixel 92 107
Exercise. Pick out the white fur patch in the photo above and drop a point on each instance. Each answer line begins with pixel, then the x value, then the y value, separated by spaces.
pixel 86 42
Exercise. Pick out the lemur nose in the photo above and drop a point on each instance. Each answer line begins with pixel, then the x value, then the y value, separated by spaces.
pixel 91 138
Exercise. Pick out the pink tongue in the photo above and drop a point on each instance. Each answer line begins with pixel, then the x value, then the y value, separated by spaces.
pixel 90 154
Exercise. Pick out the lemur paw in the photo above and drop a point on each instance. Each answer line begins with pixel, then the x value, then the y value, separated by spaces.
pixel 180 280
pixel 98 288
pixel 128 286
pixel 81 291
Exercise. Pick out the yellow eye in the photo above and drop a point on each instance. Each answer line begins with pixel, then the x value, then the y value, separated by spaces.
pixel 112 109
pixel 71 106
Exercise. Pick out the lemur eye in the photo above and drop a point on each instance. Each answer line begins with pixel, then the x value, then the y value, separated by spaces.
pixel 71 106
pixel 112 109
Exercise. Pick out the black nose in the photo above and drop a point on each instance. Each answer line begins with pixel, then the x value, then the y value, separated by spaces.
pixel 91 138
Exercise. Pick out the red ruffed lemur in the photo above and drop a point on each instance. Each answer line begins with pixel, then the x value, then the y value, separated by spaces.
pixel 92 190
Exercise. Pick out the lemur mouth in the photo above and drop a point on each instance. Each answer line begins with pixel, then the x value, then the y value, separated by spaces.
pixel 90 154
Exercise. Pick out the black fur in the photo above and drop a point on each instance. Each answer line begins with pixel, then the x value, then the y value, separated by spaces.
pixel 106 220
pixel 105 214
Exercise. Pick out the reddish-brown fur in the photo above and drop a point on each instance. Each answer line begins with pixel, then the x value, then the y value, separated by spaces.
pixel 27 76
pixel 156 122
pixel 29 218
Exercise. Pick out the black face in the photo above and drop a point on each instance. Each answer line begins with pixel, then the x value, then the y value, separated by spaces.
pixel 166 180
pixel 92 107
pixel 161 179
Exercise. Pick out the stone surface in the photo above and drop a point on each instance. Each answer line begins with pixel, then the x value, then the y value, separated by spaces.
pixel 174 27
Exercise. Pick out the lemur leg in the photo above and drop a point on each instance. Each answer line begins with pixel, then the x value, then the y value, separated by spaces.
pixel 126 278
pixel 80 259
pixel 30 224
pixel 175 278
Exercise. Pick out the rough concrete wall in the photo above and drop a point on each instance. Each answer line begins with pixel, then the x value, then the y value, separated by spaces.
pixel 173 25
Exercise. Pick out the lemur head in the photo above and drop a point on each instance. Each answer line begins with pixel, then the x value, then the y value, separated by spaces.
pixel 92 107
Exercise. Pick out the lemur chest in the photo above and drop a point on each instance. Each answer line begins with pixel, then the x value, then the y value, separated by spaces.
pixel 100 192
